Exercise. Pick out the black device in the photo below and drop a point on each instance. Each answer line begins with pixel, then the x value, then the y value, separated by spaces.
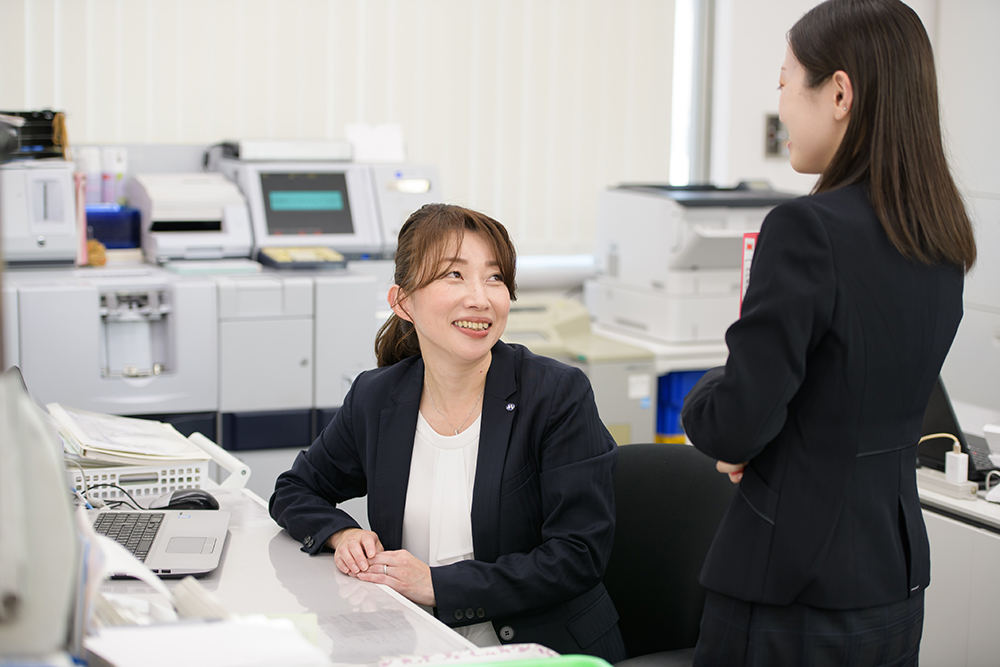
pixel 186 499
pixel 939 417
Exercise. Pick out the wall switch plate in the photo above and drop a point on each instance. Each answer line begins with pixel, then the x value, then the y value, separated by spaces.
pixel 775 137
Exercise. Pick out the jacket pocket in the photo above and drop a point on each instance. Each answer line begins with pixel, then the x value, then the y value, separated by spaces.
pixel 591 623
pixel 758 495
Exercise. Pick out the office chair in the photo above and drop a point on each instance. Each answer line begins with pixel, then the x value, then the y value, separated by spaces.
pixel 670 500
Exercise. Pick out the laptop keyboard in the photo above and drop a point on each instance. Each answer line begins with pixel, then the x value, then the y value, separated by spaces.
pixel 133 530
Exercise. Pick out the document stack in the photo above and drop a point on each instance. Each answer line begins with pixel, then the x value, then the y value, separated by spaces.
pixel 109 455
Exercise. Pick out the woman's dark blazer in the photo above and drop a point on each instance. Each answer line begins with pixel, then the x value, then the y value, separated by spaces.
pixel 543 510
pixel 830 367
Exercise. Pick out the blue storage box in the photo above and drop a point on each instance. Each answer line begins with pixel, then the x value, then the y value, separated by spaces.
pixel 113 225
pixel 672 388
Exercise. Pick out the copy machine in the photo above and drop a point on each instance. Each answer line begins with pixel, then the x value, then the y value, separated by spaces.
pixel 669 258
pixel 621 375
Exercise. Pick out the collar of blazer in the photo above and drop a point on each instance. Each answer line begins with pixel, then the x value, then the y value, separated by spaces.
pixel 397 426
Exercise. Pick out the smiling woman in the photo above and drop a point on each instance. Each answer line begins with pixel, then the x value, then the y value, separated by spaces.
pixel 487 468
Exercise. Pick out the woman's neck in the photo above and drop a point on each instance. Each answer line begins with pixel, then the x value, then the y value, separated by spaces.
pixel 451 381
pixel 452 394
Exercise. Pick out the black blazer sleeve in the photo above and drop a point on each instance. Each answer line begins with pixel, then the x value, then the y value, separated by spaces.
pixel 732 413
pixel 331 471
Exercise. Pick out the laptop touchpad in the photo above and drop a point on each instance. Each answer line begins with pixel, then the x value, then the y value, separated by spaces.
pixel 190 545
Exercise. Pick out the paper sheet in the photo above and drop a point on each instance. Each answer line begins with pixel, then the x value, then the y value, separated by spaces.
pixel 244 642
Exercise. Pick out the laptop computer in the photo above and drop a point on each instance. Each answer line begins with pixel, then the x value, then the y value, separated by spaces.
pixel 940 418
pixel 172 543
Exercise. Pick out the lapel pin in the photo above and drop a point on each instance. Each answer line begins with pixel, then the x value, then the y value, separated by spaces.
pixel 510 407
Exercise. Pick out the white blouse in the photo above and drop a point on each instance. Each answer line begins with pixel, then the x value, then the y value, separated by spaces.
pixel 437 519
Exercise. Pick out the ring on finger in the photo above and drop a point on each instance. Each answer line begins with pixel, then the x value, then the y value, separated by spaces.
pixel 385 569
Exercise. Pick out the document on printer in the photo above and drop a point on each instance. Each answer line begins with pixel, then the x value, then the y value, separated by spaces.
pixel 122 439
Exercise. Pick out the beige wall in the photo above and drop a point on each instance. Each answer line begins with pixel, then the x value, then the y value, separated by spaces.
pixel 528 107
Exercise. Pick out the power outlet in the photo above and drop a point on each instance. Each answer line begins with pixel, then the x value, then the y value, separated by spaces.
pixel 775 137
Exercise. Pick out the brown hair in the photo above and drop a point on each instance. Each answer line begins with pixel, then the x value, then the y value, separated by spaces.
pixel 893 138
pixel 424 239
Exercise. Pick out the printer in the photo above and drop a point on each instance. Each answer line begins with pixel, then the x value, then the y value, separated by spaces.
pixel 38 209
pixel 191 216
pixel 621 375
pixel 669 258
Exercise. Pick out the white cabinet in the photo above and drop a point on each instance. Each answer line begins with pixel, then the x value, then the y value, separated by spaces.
pixel 962 604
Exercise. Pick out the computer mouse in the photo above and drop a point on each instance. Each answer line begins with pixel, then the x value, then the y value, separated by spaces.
pixel 185 499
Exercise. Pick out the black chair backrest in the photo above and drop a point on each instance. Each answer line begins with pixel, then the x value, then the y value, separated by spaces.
pixel 670 500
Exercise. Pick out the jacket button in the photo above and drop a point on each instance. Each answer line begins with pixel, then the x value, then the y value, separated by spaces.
pixel 458 614
pixel 308 541
pixel 480 612
pixel 506 633
pixel 469 613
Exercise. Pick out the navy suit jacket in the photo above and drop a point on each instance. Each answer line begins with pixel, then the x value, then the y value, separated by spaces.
pixel 543 509
pixel 830 368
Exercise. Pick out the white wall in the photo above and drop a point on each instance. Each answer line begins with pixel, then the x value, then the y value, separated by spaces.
pixel 968 53
pixel 528 107
pixel 750 47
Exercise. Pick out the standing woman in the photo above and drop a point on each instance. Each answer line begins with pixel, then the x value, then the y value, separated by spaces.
pixel 855 295
pixel 487 468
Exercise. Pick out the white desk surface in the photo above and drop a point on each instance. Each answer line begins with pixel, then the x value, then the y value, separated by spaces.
pixel 977 512
pixel 264 572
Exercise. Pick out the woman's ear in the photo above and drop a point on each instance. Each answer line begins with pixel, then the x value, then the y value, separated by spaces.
pixel 396 298
pixel 844 95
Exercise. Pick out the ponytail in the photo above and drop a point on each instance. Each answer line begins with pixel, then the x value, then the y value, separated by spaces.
pixel 396 340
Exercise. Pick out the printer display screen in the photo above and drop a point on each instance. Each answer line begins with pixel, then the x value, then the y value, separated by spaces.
pixel 306 203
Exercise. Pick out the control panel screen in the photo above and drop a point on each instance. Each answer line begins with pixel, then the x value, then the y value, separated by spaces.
pixel 306 203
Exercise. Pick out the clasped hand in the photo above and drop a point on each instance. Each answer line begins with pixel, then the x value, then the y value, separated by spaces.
pixel 359 553
pixel 734 470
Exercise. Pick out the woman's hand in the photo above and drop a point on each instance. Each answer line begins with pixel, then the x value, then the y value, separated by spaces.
pixel 354 549
pixel 404 573
pixel 734 470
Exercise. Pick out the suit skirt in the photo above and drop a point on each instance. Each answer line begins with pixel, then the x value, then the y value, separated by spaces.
pixel 736 632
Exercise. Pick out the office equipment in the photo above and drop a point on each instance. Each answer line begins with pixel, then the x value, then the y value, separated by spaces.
pixel 355 209
pixel 939 417
pixel 38 134
pixel 38 546
pixel 172 543
pixel 265 150
pixel 308 257
pixel 125 341
pixel 38 209
pixel 309 203
pixel 190 216
pixel 621 375
pixel 670 258
pixel 659 600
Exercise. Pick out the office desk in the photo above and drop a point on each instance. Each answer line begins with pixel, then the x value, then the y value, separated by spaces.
pixel 263 572
pixel 962 604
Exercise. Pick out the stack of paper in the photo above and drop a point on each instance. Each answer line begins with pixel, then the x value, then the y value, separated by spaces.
pixel 127 440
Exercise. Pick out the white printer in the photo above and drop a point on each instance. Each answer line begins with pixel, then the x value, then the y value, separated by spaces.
pixel 669 258
pixel 38 209
pixel 191 216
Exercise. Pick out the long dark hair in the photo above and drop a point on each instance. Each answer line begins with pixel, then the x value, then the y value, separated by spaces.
pixel 424 239
pixel 893 138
